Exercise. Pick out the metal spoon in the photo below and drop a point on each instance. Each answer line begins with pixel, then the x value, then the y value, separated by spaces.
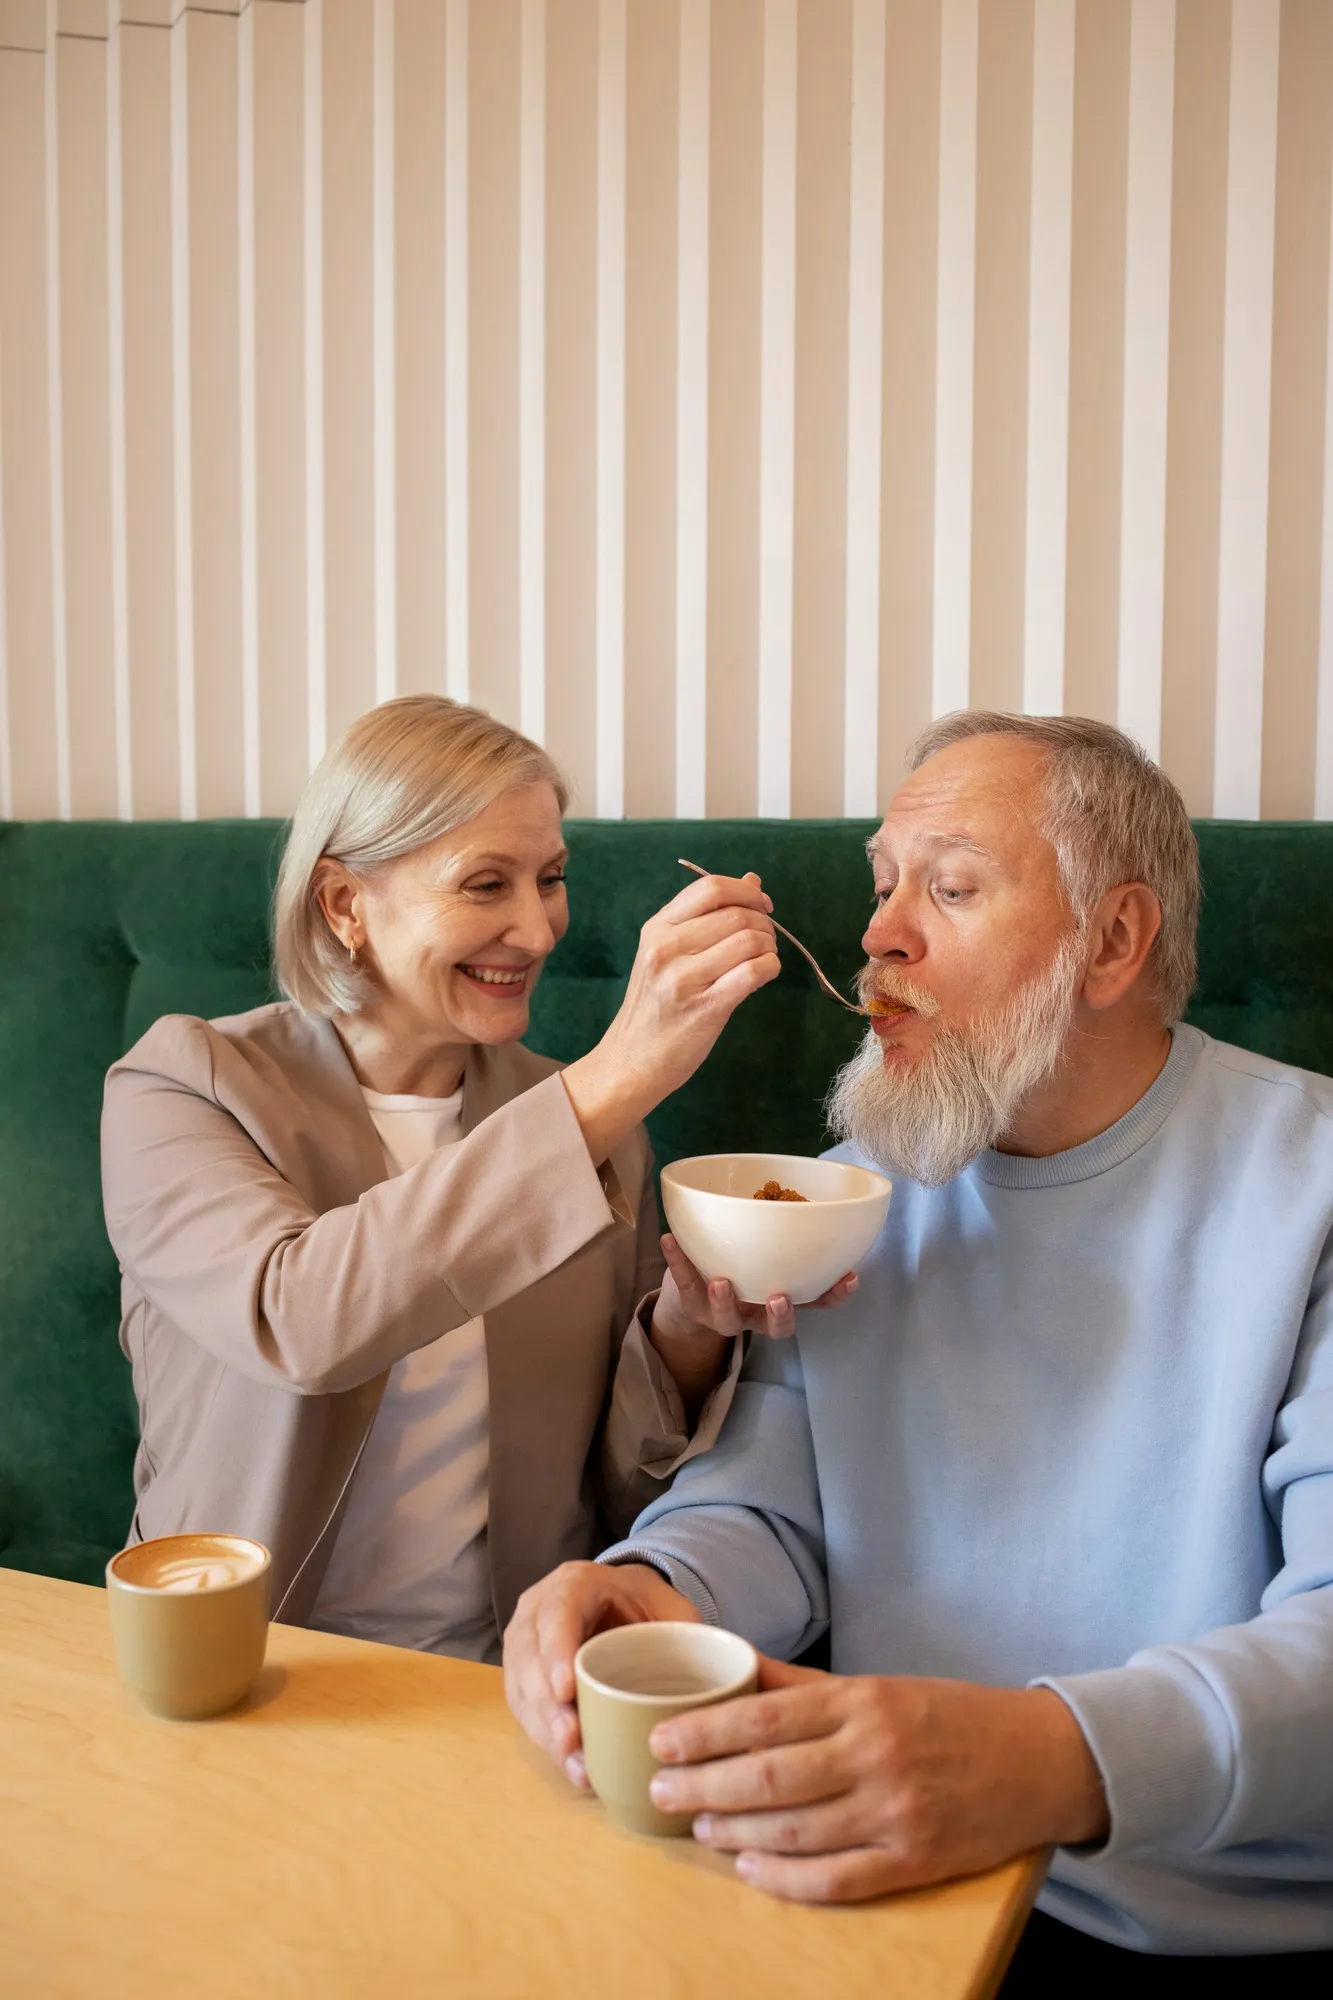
pixel 809 957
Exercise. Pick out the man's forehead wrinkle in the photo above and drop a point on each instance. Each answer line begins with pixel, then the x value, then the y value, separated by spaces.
pixel 983 800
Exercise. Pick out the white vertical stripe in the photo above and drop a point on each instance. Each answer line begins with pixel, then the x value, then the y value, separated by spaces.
pixel 180 412
pixel 6 741
pixel 692 164
pixel 384 341
pixel 1247 359
pixel 120 559
pixel 954 339
pixel 1147 330
pixel 611 94
pixel 865 385
pixel 532 375
pixel 245 293
pixel 1048 356
pixel 55 421
pixel 456 442
pixel 1323 767
pixel 313 222
pixel 777 407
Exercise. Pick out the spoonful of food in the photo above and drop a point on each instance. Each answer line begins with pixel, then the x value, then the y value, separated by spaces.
pixel 808 956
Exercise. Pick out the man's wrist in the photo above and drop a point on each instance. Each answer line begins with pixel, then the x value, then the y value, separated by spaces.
pixel 1079 1815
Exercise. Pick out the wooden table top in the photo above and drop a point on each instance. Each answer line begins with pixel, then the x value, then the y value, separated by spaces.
pixel 372 1822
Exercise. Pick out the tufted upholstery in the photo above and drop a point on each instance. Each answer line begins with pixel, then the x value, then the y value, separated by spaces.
pixel 105 927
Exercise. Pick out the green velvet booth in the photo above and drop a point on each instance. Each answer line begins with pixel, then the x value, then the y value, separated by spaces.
pixel 105 927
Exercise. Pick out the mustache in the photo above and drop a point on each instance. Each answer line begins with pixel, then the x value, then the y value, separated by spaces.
pixel 881 984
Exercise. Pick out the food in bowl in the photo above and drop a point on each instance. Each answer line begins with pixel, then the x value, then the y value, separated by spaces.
pixel 774 1191
pixel 800 1248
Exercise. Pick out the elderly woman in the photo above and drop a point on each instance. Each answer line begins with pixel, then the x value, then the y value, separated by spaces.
pixel 393 1293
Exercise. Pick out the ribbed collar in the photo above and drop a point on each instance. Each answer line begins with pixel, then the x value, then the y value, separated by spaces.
pixel 1109 1148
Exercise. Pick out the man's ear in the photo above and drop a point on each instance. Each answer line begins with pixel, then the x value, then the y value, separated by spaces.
pixel 1121 935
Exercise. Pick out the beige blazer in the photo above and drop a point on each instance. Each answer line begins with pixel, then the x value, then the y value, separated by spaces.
pixel 272 1275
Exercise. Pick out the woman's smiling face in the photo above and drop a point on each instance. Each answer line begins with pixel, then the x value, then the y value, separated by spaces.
pixel 454 936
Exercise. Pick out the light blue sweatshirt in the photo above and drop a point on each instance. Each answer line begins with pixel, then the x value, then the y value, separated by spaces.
pixel 1076 1427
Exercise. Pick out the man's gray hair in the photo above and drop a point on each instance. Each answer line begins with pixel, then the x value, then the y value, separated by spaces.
pixel 1112 816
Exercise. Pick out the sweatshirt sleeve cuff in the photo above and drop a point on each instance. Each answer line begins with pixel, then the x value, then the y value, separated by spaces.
pixel 678 1574
pixel 1162 1744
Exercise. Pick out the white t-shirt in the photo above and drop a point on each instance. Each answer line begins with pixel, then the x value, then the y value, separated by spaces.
pixel 410 1566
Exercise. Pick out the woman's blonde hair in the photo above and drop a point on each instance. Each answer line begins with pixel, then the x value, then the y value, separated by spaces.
pixel 400 777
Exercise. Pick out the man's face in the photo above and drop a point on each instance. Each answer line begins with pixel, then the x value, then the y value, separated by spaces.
pixel 975 964
pixel 969 908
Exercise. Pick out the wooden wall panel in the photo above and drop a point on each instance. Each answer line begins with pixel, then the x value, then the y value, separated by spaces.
pixel 716 388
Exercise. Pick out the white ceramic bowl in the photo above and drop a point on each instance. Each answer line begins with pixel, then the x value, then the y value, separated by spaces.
pixel 800 1248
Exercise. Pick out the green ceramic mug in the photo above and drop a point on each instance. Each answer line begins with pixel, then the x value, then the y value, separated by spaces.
pixel 634 1677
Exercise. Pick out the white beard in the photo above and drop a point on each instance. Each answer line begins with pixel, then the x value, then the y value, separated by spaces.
pixel 931 1118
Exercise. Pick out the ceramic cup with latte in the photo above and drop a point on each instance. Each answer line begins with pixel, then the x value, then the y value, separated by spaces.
pixel 189 1615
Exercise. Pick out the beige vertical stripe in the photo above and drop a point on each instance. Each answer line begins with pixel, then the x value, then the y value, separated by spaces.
pixel 1300 355
pixel 571 393
pixel 823 215
pixel 316 590
pixel 181 425
pixel 24 434
pixel 150 478
pixel 694 165
pixel 1097 356
pixel 86 425
pixel 610 700
pixel 457 419
pixel 1194 435
pixel 1247 356
pixel 653 80
pixel 1049 252
pixel 532 373
pixel 245 212
pixel 6 741
pixel 865 409
pixel 777 405
pixel 1147 353
pixel 115 258
pixel 736 145
pixel 1004 169
pixel 55 390
pixel 688 380
pixel 215 417
pixel 349 363
pixel 385 354
pixel 911 282
pixel 419 328
pixel 955 355
pixel 280 441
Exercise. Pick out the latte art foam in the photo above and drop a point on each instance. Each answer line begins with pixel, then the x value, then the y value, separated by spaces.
pixel 201 1573
pixel 190 1563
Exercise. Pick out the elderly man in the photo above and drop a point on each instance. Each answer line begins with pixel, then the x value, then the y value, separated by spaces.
pixel 1059 1479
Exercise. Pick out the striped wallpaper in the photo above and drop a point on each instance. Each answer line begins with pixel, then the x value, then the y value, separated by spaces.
pixel 715 388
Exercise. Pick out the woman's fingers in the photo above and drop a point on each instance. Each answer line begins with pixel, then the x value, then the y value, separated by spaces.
pixel 835 1295
pixel 722 986
pixel 715 892
pixel 779 1317
pixel 691 1285
pixel 687 943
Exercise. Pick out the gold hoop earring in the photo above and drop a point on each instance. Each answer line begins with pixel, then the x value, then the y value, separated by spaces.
pixel 351 956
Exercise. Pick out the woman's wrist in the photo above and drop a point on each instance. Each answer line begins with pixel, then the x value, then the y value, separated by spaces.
pixel 694 1356
pixel 608 1100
